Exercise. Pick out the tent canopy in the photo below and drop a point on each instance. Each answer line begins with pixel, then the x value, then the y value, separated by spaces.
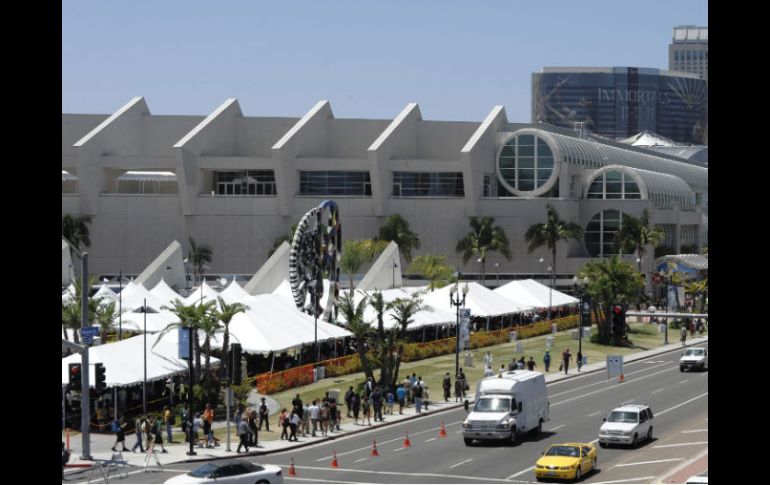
pixel 429 316
pixel 205 291
pixel 234 293
pixel 165 294
pixel 534 295
pixel 482 301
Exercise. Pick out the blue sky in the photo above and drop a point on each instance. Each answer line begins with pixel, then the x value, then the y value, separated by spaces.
pixel 456 59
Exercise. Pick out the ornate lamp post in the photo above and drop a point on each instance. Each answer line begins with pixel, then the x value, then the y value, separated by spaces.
pixel 457 302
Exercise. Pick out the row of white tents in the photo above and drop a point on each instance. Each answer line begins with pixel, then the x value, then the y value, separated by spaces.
pixel 273 324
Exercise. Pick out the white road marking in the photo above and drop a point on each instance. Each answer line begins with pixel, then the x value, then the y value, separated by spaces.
pixel 595 383
pixel 399 473
pixel 682 382
pixel 594 414
pixel 657 391
pixel 428 441
pixel 462 462
pixel 696 431
pixel 520 473
pixel 317 480
pixel 362 459
pixel 637 480
pixel 101 479
pixel 558 427
pixel 399 449
pixel 683 444
pixel 683 403
pixel 610 387
pixel 647 462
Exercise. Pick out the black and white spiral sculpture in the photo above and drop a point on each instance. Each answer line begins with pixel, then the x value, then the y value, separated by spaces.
pixel 314 254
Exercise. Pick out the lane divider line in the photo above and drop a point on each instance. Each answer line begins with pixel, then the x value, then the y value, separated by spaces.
pixel 683 444
pixel 647 462
pixel 461 463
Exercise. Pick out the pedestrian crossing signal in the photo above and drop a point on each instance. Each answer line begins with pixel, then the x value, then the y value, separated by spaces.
pixel 75 378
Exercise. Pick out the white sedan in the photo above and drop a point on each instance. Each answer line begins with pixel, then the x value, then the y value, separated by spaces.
pixel 231 471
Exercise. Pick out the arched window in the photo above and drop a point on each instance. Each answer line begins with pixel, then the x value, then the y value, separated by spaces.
pixel 600 232
pixel 526 164
pixel 614 184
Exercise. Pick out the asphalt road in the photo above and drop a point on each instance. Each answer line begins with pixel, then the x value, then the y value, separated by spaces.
pixel 679 402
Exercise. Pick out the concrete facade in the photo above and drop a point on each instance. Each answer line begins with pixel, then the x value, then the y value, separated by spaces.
pixel 131 229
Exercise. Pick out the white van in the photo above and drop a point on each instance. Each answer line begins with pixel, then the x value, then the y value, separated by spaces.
pixel 507 407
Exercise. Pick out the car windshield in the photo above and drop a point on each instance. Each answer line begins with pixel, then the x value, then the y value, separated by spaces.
pixel 694 352
pixel 204 471
pixel 623 417
pixel 563 451
pixel 493 405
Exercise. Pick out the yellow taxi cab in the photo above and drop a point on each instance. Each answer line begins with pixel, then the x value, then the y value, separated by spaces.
pixel 569 461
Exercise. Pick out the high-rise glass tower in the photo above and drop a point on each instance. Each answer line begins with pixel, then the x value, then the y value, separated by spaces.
pixel 689 50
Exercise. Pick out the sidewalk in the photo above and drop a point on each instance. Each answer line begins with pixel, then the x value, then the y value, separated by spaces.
pixel 177 452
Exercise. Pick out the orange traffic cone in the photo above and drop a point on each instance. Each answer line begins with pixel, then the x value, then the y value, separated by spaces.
pixel 292 471
pixel 442 431
pixel 407 443
pixel 374 448
pixel 335 463
pixel 622 378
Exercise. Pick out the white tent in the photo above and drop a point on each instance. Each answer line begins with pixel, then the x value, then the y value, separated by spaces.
pixel 165 294
pixel 428 317
pixel 133 296
pixel 534 294
pixel 284 289
pixel 205 291
pixel 482 301
pixel 134 320
pixel 123 361
pixel 234 293
pixel 106 294
pixel 68 294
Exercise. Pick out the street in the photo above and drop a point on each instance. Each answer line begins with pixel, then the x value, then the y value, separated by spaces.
pixel 678 400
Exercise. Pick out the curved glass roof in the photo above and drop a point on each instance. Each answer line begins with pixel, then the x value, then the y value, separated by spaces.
pixel 592 154
pixel 665 190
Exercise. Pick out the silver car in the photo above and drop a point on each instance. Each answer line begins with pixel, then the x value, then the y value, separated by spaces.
pixel 230 471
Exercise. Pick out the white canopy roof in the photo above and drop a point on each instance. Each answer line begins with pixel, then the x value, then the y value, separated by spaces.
pixel 234 293
pixel 106 294
pixel 165 294
pixel 133 296
pixel 534 294
pixel 68 294
pixel 156 322
pixel 284 289
pixel 124 364
pixel 482 301
pixel 209 294
pixel 428 317
pixel 66 176
pixel 146 176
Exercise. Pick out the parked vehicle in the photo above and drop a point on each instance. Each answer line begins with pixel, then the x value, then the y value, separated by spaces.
pixel 230 471
pixel 568 461
pixel 699 479
pixel 507 407
pixel 627 425
pixel 694 358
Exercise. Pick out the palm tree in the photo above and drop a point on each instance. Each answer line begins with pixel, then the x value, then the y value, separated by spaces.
pixel 397 229
pixel 72 311
pixel 403 311
pixel 355 324
pixel 105 315
pixel 433 268
pixel 555 229
pixel 75 230
pixel 199 256
pixel 637 234
pixel 358 253
pixel 189 316
pixel 225 314
pixel 483 238
pixel 210 326
pixel 70 318
pixel 279 240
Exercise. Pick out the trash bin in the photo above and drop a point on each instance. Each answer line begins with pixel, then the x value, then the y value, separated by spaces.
pixel 335 394
pixel 512 336
pixel 554 328
pixel 518 347
pixel 549 342
pixel 468 359
pixel 320 372
pixel 662 328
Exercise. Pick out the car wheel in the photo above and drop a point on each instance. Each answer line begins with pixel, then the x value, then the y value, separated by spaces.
pixel 262 481
pixel 649 434
pixel 635 443
pixel 681 369
pixel 578 475
pixel 514 436
pixel 468 441
pixel 603 445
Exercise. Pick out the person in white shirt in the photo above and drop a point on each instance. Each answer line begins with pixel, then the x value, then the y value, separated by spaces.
pixel 315 413
pixel 305 419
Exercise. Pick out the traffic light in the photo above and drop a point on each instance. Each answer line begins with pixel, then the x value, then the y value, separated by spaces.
pixel 101 379
pixel 75 377
pixel 235 364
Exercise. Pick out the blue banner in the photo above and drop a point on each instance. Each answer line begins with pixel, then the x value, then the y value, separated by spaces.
pixel 184 343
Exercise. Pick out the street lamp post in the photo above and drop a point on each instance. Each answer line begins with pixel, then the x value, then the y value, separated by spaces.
pixel 581 286
pixel 550 293
pixel 457 302
pixel 481 262
pixel 664 278
pixel 187 275
pixel 395 265
pixel 497 268
pixel 120 305
pixel 190 397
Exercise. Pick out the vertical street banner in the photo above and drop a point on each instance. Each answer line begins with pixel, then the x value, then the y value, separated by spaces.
pixel 585 312
pixel 465 328
pixel 184 343
pixel 614 365
pixel 671 298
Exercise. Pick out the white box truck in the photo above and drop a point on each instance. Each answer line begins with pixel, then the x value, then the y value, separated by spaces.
pixel 507 407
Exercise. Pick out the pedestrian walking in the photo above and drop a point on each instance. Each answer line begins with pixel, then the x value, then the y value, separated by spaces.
pixel 243 434
pixel 294 421
pixel 168 420
pixel 184 417
pixel 197 426
pixel 401 395
pixel 683 334
pixel 252 423
pixel 208 421
pixel 138 430
pixel 348 397
pixel 465 386
pixel 488 359
pixel 447 385
pixel 315 413
pixel 324 418
pixel 531 363
pixel 283 422
pixel 565 358
pixel 390 400
pixel 512 365
pixel 305 419
pixel 579 360
pixel 367 411
pixel 488 372
pixel 157 435
pixel 417 391
pixel 547 360
pixel 148 435
pixel 333 414
pixel 377 404
pixel 368 388
pixel 521 364
pixel 119 428
pixel 425 392
pixel 264 414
